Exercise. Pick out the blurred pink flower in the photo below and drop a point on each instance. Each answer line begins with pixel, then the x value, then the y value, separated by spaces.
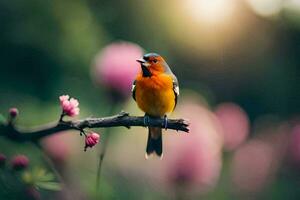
pixel 193 160
pixel 294 147
pixel 13 112
pixel 253 165
pixel 91 140
pixel 57 147
pixel 116 66
pixel 69 106
pixel 19 162
pixel 2 159
pixel 235 124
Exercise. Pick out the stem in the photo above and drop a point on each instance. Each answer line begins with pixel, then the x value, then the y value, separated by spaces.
pixel 61 117
pixel 102 154
pixel 101 158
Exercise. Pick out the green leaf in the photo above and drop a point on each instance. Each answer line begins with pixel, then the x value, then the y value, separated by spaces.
pixel 2 119
pixel 39 172
pixel 47 177
pixel 49 185
pixel 41 175
pixel 27 177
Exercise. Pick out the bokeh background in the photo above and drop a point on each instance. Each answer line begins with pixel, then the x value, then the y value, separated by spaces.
pixel 237 62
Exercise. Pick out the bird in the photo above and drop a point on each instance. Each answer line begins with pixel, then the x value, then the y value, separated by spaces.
pixel 155 90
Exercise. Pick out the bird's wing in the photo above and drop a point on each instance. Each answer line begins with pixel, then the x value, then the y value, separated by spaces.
pixel 175 82
pixel 133 89
pixel 175 89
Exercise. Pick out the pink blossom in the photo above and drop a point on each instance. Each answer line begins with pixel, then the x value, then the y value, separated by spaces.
pixel 252 166
pixel 69 106
pixel 19 162
pixel 13 112
pixel 116 67
pixel 255 163
pixel 235 124
pixel 193 160
pixel 2 159
pixel 91 140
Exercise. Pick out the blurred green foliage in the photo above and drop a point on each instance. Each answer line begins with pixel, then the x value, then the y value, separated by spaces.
pixel 47 49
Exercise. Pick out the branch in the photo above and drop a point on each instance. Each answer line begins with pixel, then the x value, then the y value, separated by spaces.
pixel 122 119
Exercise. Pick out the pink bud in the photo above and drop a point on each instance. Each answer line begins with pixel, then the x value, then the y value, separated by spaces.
pixel 13 112
pixel 20 162
pixel 69 106
pixel 91 140
pixel 2 159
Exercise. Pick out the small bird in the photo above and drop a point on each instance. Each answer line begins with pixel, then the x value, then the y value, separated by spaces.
pixel 155 90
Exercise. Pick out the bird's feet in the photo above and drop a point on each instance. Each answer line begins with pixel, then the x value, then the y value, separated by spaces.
pixel 166 122
pixel 146 120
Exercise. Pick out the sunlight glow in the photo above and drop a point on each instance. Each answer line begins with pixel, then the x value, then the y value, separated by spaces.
pixel 210 11
pixel 266 8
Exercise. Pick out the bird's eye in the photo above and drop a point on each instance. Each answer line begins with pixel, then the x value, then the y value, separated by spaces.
pixel 155 61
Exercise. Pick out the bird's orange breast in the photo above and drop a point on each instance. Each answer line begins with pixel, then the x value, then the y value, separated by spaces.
pixel 154 95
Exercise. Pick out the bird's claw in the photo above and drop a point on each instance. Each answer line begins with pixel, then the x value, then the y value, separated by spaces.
pixel 146 120
pixel 165 122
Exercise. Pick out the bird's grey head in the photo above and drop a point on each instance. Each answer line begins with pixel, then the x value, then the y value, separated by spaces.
pixel 153 62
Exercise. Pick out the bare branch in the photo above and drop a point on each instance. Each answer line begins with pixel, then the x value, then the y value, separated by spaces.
pixel 122 119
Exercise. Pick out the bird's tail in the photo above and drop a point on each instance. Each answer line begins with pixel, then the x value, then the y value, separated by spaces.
pixel 154 143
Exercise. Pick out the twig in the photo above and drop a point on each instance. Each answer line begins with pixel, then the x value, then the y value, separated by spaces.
pixel 122 119
pixel 99 169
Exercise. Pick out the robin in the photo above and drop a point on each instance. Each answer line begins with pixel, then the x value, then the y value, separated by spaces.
pixel 155 91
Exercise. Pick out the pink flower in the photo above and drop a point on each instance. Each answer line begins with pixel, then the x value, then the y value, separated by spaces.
pixel 13 112
pixel 193 160
pixel 235 124
pixel 255 163
pixel 116 67
pixel 252 166
pixel 91 140
pixel 69 106
pixel 57 147
pixel 20 162
pixel 2 159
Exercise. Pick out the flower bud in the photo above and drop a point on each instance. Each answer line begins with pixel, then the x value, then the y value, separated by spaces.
pixel 20 162
pixel 13 112
pixel 91 140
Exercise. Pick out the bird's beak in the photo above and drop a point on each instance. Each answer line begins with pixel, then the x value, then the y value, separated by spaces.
pixel 141 60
